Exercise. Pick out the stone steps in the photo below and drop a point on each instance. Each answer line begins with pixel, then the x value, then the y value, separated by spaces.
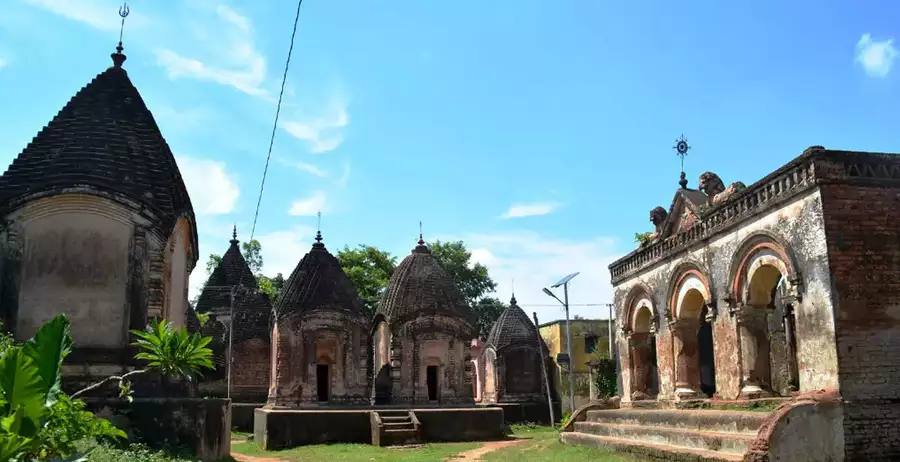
pixel 670 434
pixel 398 428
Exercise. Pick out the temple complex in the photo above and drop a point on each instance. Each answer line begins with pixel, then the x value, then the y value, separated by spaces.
pixel 784 290
pixel 421 336
pixel 232 292
pixel 320 342
pixel 96 224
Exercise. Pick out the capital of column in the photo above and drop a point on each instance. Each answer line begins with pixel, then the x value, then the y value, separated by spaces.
pixel 749 314
pixel 684 324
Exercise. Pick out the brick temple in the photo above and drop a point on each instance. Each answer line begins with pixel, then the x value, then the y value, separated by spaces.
pixel 785 290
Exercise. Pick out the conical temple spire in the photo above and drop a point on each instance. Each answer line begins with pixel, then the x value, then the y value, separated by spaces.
pixel 234 239
pixel 117 57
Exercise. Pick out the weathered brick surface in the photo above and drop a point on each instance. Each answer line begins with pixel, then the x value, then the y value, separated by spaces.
pixel 863 228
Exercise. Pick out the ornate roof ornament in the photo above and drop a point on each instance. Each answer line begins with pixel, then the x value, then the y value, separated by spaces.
pixel 117 57
pixel 681 149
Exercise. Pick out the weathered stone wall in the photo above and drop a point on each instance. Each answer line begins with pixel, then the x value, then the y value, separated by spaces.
pixel 177 255
pixel 799 225
pixel 863 229
pixel 250 374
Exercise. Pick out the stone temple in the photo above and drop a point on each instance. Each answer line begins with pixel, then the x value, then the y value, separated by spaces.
pixel 232 292
pixel 320 338
pixel 96 224
pixel 422 332
pixel 785 290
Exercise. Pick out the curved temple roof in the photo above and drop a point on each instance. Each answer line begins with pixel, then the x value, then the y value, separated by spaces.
pixel 318 283
pixel 104 138
pixel 513 328
pixel 420 285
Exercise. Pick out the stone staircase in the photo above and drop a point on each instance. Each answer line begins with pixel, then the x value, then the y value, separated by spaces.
pixel 395 427
pixel 669 434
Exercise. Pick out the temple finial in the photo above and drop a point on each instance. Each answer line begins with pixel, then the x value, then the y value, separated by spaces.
pixel 681 149
pixel 512 300
pixel 319 229
pixel 117 57
pixel 421 241
pixel 234 239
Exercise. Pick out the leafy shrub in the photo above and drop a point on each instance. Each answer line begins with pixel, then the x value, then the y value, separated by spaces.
pixel 606 378
pixel 133 453
pixel 67 424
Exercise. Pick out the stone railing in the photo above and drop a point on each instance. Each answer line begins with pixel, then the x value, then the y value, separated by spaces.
pixel 783 184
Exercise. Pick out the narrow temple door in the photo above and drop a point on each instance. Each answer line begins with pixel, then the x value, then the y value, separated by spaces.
pixel 431 379
pixel 322 382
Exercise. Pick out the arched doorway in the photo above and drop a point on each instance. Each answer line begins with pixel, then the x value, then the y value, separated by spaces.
pixel 753 330
pixel 644 371
pixel 695 371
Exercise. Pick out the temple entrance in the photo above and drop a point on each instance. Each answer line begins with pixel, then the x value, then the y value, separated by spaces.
pixel 790 329
pixel 707 358
pixel 322 382
pixel 431 381
pixel 754 331
pixel 695 374
pixel 644 371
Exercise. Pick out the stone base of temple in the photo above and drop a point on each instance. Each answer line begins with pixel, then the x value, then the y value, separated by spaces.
pixel 754 392
pixel 276 429
pixel 684 394
pixel 524 412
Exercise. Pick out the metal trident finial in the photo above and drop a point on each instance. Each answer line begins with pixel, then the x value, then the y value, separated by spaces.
pixel 123 12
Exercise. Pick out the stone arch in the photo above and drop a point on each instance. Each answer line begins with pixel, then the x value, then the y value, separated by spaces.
pixel 762 265
pixel 638 296
pixel 686 278
pixel 690 297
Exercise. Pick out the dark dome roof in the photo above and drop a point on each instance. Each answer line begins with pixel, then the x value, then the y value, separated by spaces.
pixel 233 270
pixel 318 283
pixel 104 138
pixel 512 328
pixel 420 285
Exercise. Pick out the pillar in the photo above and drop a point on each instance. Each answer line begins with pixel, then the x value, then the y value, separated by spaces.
pixel 639 343
pixel 753 334
pixel 687 358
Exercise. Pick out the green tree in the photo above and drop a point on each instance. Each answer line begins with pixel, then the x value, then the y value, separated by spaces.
pixel 473 279
pixel 486 311
pixel 252 252
pixel 271 286
pixel 370 270
pixel 211 263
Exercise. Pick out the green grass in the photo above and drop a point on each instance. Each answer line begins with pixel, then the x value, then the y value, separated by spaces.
pixel 359 452
pixel 542 443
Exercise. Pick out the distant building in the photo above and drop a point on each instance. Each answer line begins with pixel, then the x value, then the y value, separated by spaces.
pixel 590 340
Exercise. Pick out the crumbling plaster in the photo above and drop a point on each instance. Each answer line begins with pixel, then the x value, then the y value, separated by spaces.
pixel 799 224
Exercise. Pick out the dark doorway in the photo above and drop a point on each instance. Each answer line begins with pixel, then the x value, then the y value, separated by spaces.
pixel 383 386
pixel 431 379
pixel 707 357
pixel 322 382
pixel 653 385
pixel 790 322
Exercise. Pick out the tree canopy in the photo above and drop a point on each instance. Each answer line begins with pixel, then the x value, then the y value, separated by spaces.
pixel 370 270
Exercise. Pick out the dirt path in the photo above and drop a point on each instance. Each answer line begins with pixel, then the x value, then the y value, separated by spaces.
pixel 477 453
pixel 243 458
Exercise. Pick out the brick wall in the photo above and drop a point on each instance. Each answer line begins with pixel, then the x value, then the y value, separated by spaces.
pixel 250 373
pixel 862 226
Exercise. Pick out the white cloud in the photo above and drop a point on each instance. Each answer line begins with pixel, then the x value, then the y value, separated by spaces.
pixel 305 167
pixel 308 206
pixel 282 250
pixel 322 133
pixel 876 57
pixel 212 188
pixel 535 261
pixel 345 177
pixel 98 14
pixel 530 210
pixel 171 119
pixel 237 61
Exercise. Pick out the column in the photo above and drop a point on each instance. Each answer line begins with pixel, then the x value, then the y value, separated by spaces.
pixel 753 334
pixel 687 358
pixel 639 343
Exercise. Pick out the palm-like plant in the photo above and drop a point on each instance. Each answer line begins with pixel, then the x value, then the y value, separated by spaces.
pixel 168 351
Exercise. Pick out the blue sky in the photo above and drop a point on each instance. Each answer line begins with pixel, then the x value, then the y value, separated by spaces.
pixel 538 132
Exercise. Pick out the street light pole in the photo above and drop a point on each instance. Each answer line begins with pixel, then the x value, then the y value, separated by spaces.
pixel 564 282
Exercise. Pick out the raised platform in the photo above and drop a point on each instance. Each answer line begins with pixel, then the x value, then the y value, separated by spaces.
pixel 276 429
pixel 538 413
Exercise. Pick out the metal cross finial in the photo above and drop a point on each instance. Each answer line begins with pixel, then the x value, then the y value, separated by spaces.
pixel 681 149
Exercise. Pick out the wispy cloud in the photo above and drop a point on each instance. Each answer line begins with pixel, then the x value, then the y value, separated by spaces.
pixel 308 206
pixel 95 13
pixel 321 133
pixel 535 261
pixel 345 176
pixel 3 63
pixel 283 249
pixel 304 167
pixel 237 61
pixel 530 210
pixel 212 188
pixel 876 56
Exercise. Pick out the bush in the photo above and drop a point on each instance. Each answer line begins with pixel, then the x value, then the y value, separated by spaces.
pixel 606 379
pixel 133 453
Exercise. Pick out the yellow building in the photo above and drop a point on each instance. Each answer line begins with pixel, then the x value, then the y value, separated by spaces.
pixel 590 340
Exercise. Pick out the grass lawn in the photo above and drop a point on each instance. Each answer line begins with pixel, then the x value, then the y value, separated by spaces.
pixel 542 443
pixel 539 443
pixel 359 452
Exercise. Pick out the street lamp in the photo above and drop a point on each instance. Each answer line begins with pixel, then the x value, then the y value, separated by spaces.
pixel 564 282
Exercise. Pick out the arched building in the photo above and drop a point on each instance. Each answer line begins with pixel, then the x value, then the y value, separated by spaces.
pixel 421 336
pixel 512 360
pixel 780 288
pixel 232 291
pixel 96 223
pixel 320 344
